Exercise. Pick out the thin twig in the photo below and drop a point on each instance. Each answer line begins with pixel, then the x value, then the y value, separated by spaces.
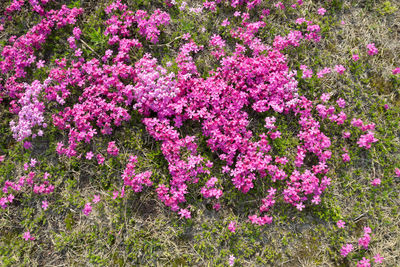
pixel 91 49
pixel 167 44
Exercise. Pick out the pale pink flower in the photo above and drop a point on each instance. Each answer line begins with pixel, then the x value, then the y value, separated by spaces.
pixel 96 199
pixel 340 224
pixel 321 11
pixel 231 260
pixel 378 258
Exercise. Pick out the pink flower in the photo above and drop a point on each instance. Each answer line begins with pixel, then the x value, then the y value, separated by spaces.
pixel 376 182
pixel 364 241
pixel 346 249
pixel 345 157
pixel 89 155
pixel 87 209
pixel 27 236
pixel 78 52
pixel 363 263
pixel 100 159
pixel 184 213
pixel 341 103
pixel 186 36
pixel 112 149
pixel 372 50
pixel 232 226
pixel 45 204
pixel 2 157
pixel 340 69
pixel 231 260
pixel 355 57
pixel 321 11
pixel 217 206
pixel 96 199
pixel 367 230
pixel 325 97
pixel 340 224
pixel 225 23
pixel 378 258
pixel 40 64
pixel 27 145
pixel 395 71
pixel 397 172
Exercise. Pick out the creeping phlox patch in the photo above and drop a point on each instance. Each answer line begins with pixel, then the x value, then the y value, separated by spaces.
pixel 93 96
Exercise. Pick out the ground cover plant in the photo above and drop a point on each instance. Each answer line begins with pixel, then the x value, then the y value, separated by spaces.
pixel 181 133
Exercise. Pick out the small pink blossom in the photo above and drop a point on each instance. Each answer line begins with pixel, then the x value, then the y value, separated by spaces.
pixel 184 213
pixel 372 50
pixel 87 209
pixel 340 224
pixel 96 199
pixel 40 64
pixel 89 155
pixel 363 263
pixel 355 57
pixel 232 226
pixel 341 103
pixel 345 157
pixel 340 69
pixel 45 204
pixel 27 236
pixel 376 182
pixel 397 172
pixel 378 258
pixel 225 23
pixel 321 11
pixel 186 36
pixel 346 249
pixel 231 260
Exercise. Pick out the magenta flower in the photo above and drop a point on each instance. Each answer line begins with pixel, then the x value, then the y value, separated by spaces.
pixel 397 172
pixel 45 204
pixel 355 57
pixel 87 209
pixel 346 249
pixel 321 11
pixel 340 224
pixel 372 50
pixel 225 23
pixel 363 263
pixel 345 157
pixel 184 213
pixel 232 226
pixel 112 149
pixel 27 236
pixel 378 258
pixel 340 69
pixel 376 182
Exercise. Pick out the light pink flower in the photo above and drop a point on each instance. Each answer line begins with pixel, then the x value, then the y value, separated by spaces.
pixel 45 204
pixel 340 224
pixel 232 226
